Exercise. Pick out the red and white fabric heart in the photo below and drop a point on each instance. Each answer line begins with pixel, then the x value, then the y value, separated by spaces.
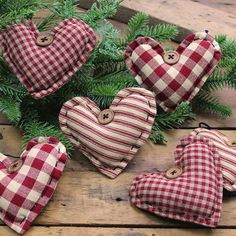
pixel 191 191
pixel 27 184
pixel 227 151
pixel 174 76
pixel 110 138
pixel 44 62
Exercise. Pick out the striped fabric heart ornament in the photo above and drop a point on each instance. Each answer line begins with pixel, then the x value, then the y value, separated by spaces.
pixel 27 183
pixel 190 191
pixel 44 62
pixel 227 152
pixel 110 138
pixel 174 76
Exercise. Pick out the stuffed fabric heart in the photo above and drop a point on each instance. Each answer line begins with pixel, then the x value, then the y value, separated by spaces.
pixel 191 191
pixel 110 138
pixel 26 185
pixel 174 76
pixel 227 151
pixel 44 62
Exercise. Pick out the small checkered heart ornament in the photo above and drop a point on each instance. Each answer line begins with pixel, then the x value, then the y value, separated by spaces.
pixel 227 151
pixel 174 76
pixel 44 62
pixel 110 138
pixel 27 184
pixel 190 191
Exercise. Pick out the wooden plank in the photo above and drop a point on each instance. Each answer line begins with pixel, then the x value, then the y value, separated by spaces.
pixel 227 6
pixel 187 15
pixel 85 197
pixel 97 231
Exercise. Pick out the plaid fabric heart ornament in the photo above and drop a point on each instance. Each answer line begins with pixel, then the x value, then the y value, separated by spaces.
pixel 174 76
pixel 27 184
pixel 227 152
pixel 110 138
pixel 190 191
pixel 44 62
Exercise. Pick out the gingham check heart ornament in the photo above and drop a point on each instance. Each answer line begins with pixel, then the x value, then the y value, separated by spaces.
pixel 44 69
pixel 195 195
pixel 173 81
pixel 111 146
pixel 25 191
pixel 227 152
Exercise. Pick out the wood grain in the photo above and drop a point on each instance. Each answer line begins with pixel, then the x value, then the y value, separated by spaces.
pixel 98 231
pixel 187 15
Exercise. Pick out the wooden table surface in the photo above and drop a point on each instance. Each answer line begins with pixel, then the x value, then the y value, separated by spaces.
pixel 86 203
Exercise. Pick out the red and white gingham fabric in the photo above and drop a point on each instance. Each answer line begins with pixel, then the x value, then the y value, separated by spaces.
pixel 43 70
pixel 25 193
pixel 172 84
pixel 112 146
pixel 227 151
pixel 195 196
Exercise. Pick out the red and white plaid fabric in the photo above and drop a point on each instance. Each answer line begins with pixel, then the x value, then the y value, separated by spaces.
pixel 112 146
pixel 194 196
pixel 43 70
pixel 227 151
pixel 172 84
pixel 26 192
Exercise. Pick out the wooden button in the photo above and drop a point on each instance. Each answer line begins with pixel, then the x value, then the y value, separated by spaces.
pixel 171 57
pixel 174 172
pixel 44 40
pixel 15 166
pixel 106 116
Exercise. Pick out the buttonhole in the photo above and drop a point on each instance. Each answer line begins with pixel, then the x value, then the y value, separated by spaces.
pixel 50 181
pixel 22 220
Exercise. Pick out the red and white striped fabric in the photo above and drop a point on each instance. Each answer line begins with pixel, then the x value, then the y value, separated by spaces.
pixel 26 192
pixel 112 146
pixel 227 151
pixel 195 196
pixel 43 70
pixel 198 54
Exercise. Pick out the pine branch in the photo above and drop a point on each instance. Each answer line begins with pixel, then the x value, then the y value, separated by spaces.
pixel 10 108
pixel 36 129
pixel 101 10
pixel 47 23
pixel 66 9
pixel 204 102
pixel 161 32
pixel 228 48
pixel 157 136
pixel 172 120
pixel 220 79
pixel 12 11
pixel 136 25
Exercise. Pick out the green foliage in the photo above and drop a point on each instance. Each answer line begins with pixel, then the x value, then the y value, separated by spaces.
pixel 174 120
pixel 138 25
pixel 205 102
pixel 66 9
pixel 101 10
pixel 10 108
pixel 104 74
pixel 35 129
pixel 12 11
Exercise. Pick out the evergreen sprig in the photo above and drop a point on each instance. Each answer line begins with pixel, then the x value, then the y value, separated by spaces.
pixel 12 11
pixel 208 104
pixel 36 129
pixel 174 120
